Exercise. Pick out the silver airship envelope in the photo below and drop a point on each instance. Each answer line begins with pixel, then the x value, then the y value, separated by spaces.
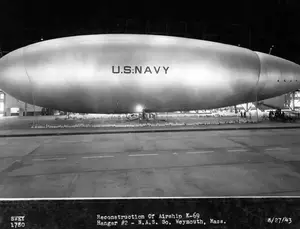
pixel 115 73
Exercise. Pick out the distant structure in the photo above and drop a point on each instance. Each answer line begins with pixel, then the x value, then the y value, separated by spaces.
pixel 10 106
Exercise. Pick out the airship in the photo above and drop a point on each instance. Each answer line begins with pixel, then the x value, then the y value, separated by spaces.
pixel 120 73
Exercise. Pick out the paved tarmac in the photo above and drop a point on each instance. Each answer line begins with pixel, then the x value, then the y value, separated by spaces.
pixel 160 164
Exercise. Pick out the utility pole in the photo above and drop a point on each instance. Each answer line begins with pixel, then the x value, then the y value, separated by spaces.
pixel 4 107
pixel 185 28
pixel 293 100
pixel 147 26
pixel 256 103
pixel 126 25
pixel 167 28
pixel 270 50
pixel 250 37
pixel 204 28
pixel 235 109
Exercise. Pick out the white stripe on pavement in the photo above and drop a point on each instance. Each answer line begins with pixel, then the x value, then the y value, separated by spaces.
pixel 237 150
pixel 199 152
pixel 93 157
pixel 141 155
pixel 50 159
pixel 277 148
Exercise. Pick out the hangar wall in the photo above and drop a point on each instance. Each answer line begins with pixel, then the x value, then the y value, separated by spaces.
pixel 10 106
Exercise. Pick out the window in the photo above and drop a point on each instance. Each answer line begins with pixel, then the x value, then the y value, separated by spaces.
pixel 1 95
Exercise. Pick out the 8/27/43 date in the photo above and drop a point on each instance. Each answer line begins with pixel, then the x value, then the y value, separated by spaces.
pixel 279 220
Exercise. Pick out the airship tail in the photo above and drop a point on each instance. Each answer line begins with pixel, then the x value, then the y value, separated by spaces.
pixel 277 76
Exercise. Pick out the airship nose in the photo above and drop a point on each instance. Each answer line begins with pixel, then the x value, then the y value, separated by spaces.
pixel 13 77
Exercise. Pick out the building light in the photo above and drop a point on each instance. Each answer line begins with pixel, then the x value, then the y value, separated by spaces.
pixel 139 108
pixel 14 110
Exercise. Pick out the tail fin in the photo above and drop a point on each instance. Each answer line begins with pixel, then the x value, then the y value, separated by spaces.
pixel 273 103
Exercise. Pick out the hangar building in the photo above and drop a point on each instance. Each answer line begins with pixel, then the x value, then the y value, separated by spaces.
pixel 10 106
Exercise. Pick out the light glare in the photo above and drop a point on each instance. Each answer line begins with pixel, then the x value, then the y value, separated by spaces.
pixel 139 108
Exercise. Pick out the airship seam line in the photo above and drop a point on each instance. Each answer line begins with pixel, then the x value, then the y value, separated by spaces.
pixel 29 79
pixel 258 77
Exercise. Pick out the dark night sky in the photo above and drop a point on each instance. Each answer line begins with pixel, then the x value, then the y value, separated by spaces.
pixel 250 23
